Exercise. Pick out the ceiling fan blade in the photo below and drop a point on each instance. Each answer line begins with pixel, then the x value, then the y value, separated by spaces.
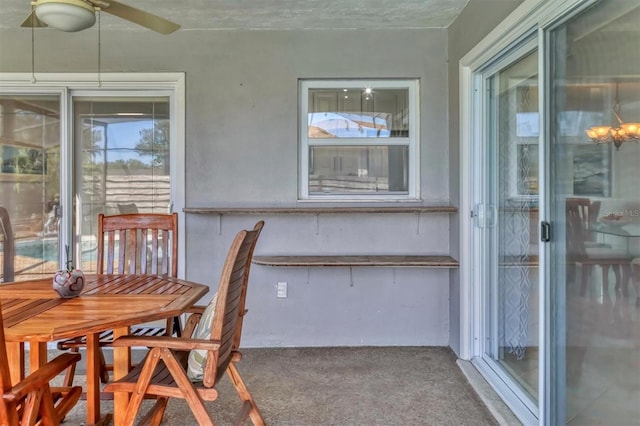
pixel 33 21
pixel 140 17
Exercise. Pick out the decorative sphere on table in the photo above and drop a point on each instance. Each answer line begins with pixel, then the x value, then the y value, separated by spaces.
pixel 68 283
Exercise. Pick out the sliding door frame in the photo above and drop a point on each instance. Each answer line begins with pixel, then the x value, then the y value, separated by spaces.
pixel 530 17
pixel 134 84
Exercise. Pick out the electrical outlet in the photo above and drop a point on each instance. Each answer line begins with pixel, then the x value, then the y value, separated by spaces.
pixel 281 290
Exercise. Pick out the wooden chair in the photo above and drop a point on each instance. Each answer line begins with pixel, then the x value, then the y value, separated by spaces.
pixel 587 211
pixel 140 243
pixel 8 247
pixel 163 372
pixel 33 400
pixel 579 252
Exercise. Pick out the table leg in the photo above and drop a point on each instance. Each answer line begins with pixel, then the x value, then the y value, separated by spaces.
pixel 15 356
pixel 121 366
pixel 93 380
pixel 37 355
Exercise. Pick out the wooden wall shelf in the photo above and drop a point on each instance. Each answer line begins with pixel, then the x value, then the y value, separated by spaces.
pixel 391 261
pixel 318 210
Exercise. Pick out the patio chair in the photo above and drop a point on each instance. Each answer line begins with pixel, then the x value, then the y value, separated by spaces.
pixel 33 399
pixel 8 246
pixel 141 243
pixel 163 373
pixel 580 252
pixel 587 211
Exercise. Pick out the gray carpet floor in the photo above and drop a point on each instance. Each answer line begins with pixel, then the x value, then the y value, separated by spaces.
pixel 342 386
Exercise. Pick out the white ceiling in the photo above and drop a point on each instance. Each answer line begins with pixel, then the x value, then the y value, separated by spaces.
pixel 274 14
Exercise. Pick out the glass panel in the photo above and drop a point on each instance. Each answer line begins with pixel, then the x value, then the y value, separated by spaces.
pixel 595 84
pixel 512 289
pixel 358 169
pixel 358 113
pixel 124 161
pixel 29 185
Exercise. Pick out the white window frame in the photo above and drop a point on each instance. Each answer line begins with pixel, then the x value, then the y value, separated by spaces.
pixel 412 141
pixel 170 84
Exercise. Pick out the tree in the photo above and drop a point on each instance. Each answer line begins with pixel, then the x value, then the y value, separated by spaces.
pixel 154 143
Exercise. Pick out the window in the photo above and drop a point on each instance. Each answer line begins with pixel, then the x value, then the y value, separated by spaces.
pixel 358 139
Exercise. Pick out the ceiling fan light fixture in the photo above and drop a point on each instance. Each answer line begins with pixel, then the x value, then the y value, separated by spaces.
pixel 66 15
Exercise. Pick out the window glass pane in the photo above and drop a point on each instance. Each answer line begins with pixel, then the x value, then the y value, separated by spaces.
pixel 358 113
pixel 595 111
pixel 29 186
pixel 358 169
pixel 124 160
pixel 512 311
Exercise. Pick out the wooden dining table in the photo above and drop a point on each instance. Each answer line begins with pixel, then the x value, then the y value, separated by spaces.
pixel 35 314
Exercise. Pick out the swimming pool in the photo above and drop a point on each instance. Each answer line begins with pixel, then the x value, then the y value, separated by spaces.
pixel 47 249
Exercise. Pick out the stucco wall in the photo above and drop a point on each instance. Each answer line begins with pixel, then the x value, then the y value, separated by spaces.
pixel 249 122
pixel 242 150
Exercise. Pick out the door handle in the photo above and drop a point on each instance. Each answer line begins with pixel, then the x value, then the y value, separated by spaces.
pixel 545 231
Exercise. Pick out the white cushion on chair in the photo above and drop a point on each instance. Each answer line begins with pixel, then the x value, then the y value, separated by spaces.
pixel 198 357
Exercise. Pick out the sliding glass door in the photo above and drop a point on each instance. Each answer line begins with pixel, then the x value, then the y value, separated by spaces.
pixel 122 161
pixel 594 100
pixel 30 137
pixel 68 154
pixel 507 221
pixel 556 159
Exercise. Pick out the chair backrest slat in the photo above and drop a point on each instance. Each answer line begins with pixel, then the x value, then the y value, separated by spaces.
pixel 577 225
pixel 229 308
pixel 147 243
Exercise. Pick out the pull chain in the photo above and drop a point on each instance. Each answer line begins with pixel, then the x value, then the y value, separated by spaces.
pixel 99 50
pixel 33 46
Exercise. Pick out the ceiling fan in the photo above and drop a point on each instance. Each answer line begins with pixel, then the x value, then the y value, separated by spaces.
pixel 77 15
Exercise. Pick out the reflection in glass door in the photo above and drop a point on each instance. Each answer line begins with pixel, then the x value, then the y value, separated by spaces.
pixel 595 201
pixel 510 205
pixel 29 186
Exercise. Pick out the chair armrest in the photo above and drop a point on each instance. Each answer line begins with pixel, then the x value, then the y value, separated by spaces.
pixel 191 324
pixel 194 315
pixel 196 309
pixel 167 342
pixel 41 377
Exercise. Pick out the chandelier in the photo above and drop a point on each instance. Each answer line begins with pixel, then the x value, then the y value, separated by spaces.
pixel 617 134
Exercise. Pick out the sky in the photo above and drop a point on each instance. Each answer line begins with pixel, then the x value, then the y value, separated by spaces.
pixel 122 139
